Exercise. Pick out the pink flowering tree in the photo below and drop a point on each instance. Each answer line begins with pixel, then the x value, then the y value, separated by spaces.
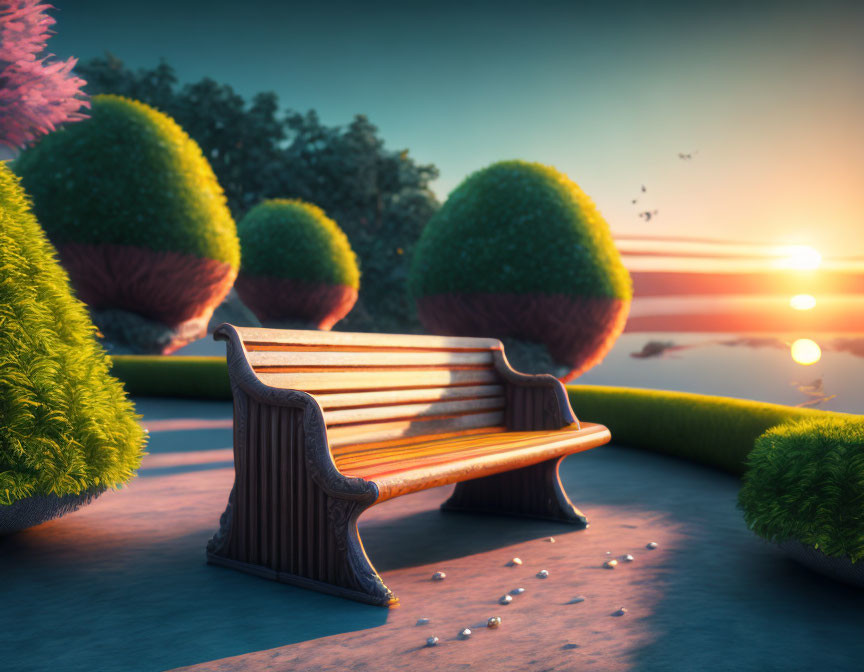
pixel 37 92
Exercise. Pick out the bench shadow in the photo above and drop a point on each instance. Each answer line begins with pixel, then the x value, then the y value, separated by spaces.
pixel 428 537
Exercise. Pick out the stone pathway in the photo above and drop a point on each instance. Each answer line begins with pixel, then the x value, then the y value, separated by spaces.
pixel 122 584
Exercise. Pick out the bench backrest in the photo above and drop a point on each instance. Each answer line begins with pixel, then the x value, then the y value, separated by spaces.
pixel 383 388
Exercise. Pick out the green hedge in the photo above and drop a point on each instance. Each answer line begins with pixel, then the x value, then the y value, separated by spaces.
pixel 715 431
pixel 805 481
pixel 187 377
pixel 128 175
pixel 283 238
pixel 65 425
pixel 519 227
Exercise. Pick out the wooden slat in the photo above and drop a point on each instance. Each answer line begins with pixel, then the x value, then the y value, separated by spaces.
pixel 339 436
pixel 253 336
pixel 550 444
pixel 368 359
pixel 414 440
pixel 378 413
pixel 351 380
pixel 358 456
pixel 426 394
pixel 401 477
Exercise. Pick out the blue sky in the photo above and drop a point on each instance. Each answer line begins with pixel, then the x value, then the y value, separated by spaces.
pixel 770 95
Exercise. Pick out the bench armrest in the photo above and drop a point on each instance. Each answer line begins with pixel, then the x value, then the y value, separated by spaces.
pixel 312 446
pixel 534 402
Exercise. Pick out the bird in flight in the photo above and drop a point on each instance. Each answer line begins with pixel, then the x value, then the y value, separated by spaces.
pixel 648 214
pixel 686 156
pixel 644 189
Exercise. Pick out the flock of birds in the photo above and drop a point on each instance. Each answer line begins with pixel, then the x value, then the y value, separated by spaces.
pixel 648 215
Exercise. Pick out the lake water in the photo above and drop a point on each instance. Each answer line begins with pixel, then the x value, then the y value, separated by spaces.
pixel 747 366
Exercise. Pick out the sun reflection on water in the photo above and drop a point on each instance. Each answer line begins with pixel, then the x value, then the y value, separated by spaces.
pixel 806 352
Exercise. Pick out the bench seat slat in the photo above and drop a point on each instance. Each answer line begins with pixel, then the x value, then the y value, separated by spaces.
pixel 376 380
pixel 444 452
pixel 364 359
pixel 426 394
pixel 400 442
pixel 339 436
pixel 359 456
pixel 462 406
pixel 259 336
pixel 411 473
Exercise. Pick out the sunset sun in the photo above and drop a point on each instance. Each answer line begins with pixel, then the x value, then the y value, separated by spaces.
pixel 802 302
pixel 799 258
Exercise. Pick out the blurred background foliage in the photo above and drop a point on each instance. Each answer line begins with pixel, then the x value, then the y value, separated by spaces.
pixel 379 197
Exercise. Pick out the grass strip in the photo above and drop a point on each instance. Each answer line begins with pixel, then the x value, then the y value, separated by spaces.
pixel 184 377
pixel 715 431
pixel 718 432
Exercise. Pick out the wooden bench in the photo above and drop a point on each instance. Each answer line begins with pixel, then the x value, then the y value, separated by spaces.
pixel 327 424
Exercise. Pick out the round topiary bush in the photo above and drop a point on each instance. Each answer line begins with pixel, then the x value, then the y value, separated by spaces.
pixel 804 489
pixel 518 250
pixel 67 430
pixel 139 221
pixel 298 268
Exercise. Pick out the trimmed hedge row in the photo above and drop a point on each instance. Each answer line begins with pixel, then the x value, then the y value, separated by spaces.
pixel 715 431
pixel 185 377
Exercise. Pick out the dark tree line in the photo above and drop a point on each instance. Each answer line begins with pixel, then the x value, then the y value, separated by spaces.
pixel 380 198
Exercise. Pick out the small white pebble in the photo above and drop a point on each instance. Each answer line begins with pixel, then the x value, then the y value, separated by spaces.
pixel 627 558
pixel 577 599
pixel 465 634
pixel 543 573
pixel 517 591
pixel 610 564
pixel 505 599
pixel 551 540
pixel 422 621
pixel 432 641
pixel 493 622
pixel 651 546
pixel 515 562
pixel 620 612
pixel 439 576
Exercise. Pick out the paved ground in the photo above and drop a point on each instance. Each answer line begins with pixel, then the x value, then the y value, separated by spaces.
pixel 122 584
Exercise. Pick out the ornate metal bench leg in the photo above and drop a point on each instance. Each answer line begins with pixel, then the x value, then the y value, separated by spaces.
pixel 534 491
pixel 323 551
pixel 280 523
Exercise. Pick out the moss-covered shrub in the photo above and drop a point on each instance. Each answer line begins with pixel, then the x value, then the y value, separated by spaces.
pixel 66 426
pixel 518 250
pixel 805 482
pixel 137 216
pixel 298 267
